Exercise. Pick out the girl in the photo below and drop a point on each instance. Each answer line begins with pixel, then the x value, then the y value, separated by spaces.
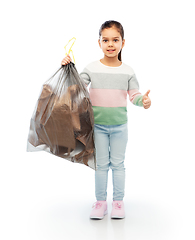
pixel 111 80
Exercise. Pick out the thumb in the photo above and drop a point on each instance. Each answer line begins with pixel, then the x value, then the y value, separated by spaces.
pixel 146 94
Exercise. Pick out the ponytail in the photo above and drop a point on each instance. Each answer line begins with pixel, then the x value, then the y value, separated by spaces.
pixel 119 56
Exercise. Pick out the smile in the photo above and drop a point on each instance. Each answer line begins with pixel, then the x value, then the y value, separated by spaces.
pixel 111 50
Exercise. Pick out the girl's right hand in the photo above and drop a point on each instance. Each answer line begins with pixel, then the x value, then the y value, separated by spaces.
pixel 66 60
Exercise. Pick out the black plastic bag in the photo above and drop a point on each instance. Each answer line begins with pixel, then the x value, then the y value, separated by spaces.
pixel 62 122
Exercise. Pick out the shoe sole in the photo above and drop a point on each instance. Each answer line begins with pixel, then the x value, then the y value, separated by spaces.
pixel 95 217
pixel 117 217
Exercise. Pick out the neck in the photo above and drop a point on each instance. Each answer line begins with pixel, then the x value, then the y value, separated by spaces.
pixel 111 62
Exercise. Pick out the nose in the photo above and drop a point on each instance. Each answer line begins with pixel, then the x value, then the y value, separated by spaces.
pixel 110 43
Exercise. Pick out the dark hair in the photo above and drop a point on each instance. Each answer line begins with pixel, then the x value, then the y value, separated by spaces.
pixel 112 23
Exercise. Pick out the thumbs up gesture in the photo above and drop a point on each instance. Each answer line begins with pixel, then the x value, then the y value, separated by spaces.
pixel 146 100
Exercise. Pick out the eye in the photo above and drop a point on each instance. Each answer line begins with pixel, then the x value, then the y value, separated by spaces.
pixel 105 40
pixel 115 40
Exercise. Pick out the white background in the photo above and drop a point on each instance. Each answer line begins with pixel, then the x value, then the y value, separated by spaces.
pixel 45 197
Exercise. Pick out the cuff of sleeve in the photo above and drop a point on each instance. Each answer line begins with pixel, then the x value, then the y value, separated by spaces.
pixel 138 101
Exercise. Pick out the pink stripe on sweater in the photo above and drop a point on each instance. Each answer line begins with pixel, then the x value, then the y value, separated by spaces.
pixel 133 94
pixel 108 97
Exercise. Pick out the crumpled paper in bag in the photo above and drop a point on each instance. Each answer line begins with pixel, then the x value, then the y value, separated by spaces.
pixel 62 123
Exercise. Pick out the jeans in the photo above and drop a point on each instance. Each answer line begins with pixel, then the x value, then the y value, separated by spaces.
pixel 110 144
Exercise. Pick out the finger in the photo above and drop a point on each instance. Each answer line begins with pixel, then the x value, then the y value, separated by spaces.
pixel 67 58
pixel 65 62
pixel 147 105
pixel 70 59
pixel 146 101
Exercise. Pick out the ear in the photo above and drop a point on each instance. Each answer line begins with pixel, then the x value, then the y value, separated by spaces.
pixel 123 43
pixel 99 43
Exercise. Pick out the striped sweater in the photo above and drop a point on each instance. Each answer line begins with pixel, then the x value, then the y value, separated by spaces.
pixel 108 91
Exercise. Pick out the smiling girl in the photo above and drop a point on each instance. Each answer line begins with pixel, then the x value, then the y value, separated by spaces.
pixel 111 82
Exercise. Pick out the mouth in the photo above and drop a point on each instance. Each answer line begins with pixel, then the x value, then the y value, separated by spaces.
pixel 110 50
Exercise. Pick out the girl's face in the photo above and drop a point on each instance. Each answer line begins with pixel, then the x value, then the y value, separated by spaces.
pixel 111 42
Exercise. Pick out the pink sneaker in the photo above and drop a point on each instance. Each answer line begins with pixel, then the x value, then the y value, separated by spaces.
pixel 118 210
pixel 99 210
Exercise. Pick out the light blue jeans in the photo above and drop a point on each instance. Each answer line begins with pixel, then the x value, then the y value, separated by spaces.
pixel 110 144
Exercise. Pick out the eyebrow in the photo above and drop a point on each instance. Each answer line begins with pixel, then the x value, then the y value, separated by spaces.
pixel 108 37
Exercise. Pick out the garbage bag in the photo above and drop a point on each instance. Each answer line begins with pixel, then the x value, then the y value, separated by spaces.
pixel 62 123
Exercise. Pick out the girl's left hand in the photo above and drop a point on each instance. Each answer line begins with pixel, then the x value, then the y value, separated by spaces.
pixel 146 100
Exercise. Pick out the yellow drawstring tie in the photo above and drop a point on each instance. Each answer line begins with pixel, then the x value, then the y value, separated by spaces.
pixel 68 47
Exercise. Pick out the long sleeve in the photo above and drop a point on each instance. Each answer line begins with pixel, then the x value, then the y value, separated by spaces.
pixel 85 76
pixel 133 90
